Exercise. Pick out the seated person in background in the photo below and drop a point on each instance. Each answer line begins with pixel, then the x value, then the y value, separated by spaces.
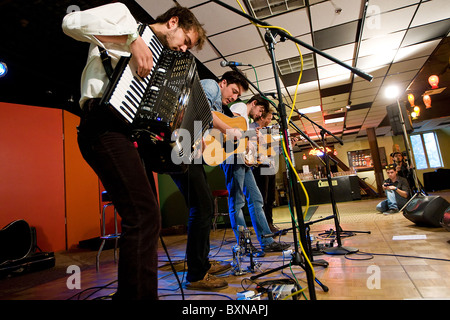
pixel 402 168
pixel 397 192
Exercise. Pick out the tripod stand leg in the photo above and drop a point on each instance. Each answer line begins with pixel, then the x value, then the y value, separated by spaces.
pixel 324 287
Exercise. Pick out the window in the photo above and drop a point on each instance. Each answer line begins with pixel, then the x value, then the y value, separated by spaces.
pixel 426 151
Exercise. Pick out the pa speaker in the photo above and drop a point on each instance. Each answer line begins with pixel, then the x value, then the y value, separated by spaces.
pixel 445 221
pixel 426 211
pixel 393 113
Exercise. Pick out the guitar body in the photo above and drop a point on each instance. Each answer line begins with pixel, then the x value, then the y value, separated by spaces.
pixel 218 147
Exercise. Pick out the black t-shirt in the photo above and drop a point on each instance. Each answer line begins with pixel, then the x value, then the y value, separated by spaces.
pixel 402 184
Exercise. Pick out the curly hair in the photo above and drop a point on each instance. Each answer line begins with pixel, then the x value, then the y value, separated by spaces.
pixel 186 20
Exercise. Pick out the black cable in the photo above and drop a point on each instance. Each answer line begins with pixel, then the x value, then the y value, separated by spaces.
pixel 172 266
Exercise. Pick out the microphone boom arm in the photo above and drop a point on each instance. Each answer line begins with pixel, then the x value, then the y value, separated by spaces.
pixel 283 34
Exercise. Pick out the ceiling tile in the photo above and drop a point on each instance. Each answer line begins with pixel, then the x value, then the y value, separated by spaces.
pixel 376 61
pixel 342 53
pixel 336 36
pixel 237 40
pixel 155 7
pixel 206 54
pixel 362 85
pixel 426 32
pixel 333 70
pixel 296 22
pixel 431 11
pixel 332 13
pixel 215 18
pixel 380 6
pixel 288 49
pixel 408 65
pixel 390 22
pixel 372 92
pixel 379 45
pixel 417 50
pixel 335 81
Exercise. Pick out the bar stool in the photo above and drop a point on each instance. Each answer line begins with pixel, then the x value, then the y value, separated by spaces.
pixel 219 194
pixel 113 236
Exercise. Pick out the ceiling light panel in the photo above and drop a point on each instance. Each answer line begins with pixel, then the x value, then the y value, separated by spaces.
pixel 267 8
pixel 293 65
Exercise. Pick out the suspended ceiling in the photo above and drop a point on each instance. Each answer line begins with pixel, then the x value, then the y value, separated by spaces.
pixel 390 40
pixel 397 42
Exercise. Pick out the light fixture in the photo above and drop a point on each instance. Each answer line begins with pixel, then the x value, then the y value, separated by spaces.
pixel 417 111
pixel 318 152
pixel 304 156
pixel 427 101
pixel 411 100
pixel 310 109
pixel 334 120
pixel 433 81
pixel 392 92
pixel 413 115
pixel 3 69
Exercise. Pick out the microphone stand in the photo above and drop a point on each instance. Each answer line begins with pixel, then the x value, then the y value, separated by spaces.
pixel 297 259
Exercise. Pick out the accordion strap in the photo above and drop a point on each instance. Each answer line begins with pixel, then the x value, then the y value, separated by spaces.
pixel 106 60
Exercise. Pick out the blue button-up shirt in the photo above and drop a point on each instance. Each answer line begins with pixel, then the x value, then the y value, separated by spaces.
pixel 213 94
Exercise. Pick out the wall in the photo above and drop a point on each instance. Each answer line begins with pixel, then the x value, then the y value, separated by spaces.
pixel 443 136
pixel 43 178
pixel 82 189
pixel 32 171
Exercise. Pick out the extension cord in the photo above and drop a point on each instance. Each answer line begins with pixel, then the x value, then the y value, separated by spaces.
pixel 282 291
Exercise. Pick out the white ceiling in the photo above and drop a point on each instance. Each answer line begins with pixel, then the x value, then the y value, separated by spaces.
pixel 388 39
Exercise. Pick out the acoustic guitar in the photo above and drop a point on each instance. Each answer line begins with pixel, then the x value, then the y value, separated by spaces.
pixel 219 147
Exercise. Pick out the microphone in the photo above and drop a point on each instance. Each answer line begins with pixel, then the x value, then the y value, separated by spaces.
pixel 232 64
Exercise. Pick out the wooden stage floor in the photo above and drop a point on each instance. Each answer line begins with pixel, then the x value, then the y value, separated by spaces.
pixel 396 260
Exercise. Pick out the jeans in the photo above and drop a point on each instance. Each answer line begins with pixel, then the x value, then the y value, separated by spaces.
pixel 197 194
pixel 105 144
pixel 241 185
pixel 391 202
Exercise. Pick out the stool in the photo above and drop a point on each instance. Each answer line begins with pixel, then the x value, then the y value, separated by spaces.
pixel 219 194
pixel 104 236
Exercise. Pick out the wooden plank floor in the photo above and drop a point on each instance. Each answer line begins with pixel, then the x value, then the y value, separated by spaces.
pixel 395 269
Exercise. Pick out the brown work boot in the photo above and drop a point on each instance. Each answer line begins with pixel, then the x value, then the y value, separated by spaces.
pixel 208 283
pixel 219 267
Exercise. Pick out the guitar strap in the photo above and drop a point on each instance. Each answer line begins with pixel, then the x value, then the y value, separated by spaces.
pixel 106 60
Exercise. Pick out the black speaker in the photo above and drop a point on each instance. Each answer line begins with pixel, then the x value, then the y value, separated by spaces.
pixel 395 120
pixel 426 211
pixel 445 221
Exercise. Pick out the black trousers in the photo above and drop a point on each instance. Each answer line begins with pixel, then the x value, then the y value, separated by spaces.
pixel 197 194
pixel 266 185
pixel 106 146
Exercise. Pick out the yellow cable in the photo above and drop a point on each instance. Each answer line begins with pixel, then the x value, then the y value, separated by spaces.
pixel 294 102
pixel 289 119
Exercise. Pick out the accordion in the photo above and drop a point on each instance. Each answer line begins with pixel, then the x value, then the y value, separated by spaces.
pixel 168 110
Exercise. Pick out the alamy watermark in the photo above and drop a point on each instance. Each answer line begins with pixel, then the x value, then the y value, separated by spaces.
pixel 74 280
pixel 374 280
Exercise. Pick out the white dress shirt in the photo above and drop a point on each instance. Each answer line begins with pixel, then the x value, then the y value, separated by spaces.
pixel 108 20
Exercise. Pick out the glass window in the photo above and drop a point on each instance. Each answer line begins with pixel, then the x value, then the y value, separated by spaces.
pixel 419 152
pixel 426 150
pixel 433 152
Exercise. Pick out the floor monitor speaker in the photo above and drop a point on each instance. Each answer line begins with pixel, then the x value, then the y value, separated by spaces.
pixel 426 210
pixel 445 221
